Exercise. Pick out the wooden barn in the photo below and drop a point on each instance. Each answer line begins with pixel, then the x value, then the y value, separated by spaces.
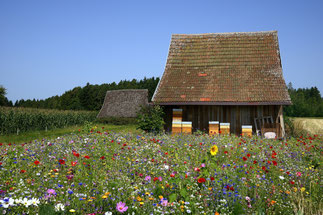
pixel 231 81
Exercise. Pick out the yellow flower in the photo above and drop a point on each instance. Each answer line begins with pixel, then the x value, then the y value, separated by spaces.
pixel 302 189
pixel 139 199
pixel 295 189
pixel 161 197
pixel 141 203
pixel 214 150
pixel 104 197
pixel 72 210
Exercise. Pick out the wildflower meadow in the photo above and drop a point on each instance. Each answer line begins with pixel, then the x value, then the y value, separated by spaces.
pixel 102 172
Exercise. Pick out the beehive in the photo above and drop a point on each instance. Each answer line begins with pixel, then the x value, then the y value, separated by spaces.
pixel 187 127
pixel 225 128
pixel 177 115
pixel 213 127
pixel 177 128
pixel 177 121
pixel 247 130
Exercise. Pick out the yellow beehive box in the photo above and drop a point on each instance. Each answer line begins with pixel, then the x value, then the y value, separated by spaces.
pixel 187 127
pixel 224 128
pixel 213 127
pixel 176 127
pixel 247 130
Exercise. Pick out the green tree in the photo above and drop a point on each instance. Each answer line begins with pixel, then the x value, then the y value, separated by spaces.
pixel 150 118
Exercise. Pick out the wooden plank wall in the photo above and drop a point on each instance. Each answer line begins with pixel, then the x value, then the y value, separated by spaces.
pixel 200 115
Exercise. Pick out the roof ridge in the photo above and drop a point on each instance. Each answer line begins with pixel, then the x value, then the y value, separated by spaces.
pixel 228 33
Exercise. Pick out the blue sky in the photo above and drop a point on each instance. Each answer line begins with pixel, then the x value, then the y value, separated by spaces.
pixel 48 47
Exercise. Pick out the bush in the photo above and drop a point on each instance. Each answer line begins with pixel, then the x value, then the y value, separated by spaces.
pixel 150 118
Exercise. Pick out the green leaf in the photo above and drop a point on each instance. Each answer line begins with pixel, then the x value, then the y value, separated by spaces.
pixel 172 197
pixel 183 192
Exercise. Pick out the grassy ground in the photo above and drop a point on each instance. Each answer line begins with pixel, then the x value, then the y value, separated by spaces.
pixel 310 125
pixel 36 135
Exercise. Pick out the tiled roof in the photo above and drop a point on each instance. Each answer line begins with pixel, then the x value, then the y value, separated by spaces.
pixel 223 67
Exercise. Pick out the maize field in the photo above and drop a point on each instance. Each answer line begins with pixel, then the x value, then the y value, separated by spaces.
pixel 15 120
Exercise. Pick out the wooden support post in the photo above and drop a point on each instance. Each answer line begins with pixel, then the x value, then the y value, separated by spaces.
pixel 281 119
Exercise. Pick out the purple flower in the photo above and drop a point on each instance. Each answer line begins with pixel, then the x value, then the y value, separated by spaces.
pixel 121 207
pixel 51 192
pixel 164 202
pixel 203 165
pixel 147 178
pixel 160 178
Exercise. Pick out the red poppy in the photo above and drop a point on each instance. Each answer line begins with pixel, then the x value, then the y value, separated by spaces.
pixel 166 153
pixel 292 182
pixel 263 168
pixel 248 155
pixel 76 154
pixel 244 158
pixel 102 158
pixel 0 163
pixel 87 157
pixel 201 180
pixel 156 178
pixel 231 188
pixel 225 152
pixel 22 171
pixel 201 143
pixel 172 175
pixel 36 162
pixel 185 162
pixel 254 162
pixel 275 163
pixel 73 163
pixel 212 178
pixel 61 161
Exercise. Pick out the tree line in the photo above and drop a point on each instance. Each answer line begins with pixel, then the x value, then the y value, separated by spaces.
pixel 89 97
pixel 307 102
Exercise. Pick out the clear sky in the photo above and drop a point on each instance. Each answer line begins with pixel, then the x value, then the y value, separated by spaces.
pixel 48 47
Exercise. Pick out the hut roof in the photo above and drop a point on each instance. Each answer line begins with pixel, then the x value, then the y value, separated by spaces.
pixel 223 68
pixel 123 103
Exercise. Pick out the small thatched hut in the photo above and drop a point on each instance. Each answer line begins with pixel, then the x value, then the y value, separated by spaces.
pixel 123 103
pixel 230 78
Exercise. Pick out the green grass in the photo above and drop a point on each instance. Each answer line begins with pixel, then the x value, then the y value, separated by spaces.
pixel 36 135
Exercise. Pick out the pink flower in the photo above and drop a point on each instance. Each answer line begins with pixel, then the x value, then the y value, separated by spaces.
pixel 121 207
pixel 160 178
pixel 203 165
pixel 298 174
pixel 51 192
pixel 164 202
pixel 147 178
